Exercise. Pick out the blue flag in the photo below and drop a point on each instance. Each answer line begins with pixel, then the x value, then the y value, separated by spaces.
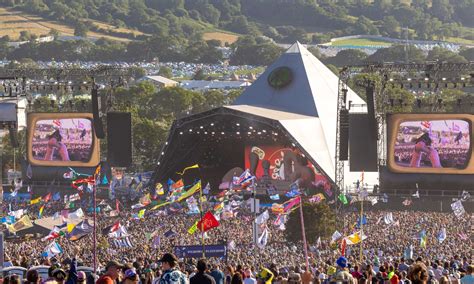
pixel 275 197
pixel 361 222
pixel 57 196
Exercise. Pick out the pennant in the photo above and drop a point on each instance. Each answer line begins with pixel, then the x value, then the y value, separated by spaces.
pixel 177 185
pixel 170 234
pixel 141 213
pixel 291 203
pixel 47 197
pixel 195 188
pixel 105 180
pixel 81 230
pixel 207 222
pixel 196 166
pixel 193 228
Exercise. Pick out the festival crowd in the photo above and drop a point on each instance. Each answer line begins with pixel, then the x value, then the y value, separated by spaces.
pixel 391 253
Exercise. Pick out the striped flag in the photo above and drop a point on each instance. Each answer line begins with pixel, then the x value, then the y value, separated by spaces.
pixel 122 243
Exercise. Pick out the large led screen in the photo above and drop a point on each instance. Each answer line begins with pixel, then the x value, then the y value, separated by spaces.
pixel 62 140
pixel 430 143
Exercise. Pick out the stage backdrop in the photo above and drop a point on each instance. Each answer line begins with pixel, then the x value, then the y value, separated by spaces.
pixel 275 154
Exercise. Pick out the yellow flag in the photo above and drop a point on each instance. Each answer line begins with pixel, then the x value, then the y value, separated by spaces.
pixel 193 228
pixel 70 227
pixel 160 205
pixel 190 192
pixel 159 189
pixel 36 200
pixel 196 166
pixel 23 223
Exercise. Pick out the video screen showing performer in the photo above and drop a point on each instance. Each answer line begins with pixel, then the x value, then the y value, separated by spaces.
pixel 63 140
pixel 433 144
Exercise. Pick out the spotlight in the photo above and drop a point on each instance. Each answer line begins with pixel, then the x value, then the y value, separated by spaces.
pixel 162 153
pixel 181 133
pixel 201 127
pixel 238 124
pixel 212 124
pixel 238 133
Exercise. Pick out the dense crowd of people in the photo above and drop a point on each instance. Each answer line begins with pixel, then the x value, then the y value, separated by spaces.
pixel 391 250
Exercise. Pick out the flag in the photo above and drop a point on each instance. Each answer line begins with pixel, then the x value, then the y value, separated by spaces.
pixel 156 242
pixel 465 196
pixel 17 214
pixel 463 236
pixel 170 234
pixel 458 209
pixel 207 222
pixel 7 220
pixel 70 227
pixel 195 188
pixel 262 218
pixel 342 197
pixel 23 223
pixel 121 232
pixel 47 197
pixel 244 180
pixel 54 234
pixel 426 124
pixel 34 201
pixel 355 238
pixel 441 235
pixel 317 198
pixel 122 243
pixel 361 222
pixel 291 203
pixel 206 189
pixel 196 166
pixel 343 247
pixel 141 213
pixel 275 197
pixel 74 197
pixel 263 239
pixel 178 185
pixel 81 230
pixel 52 249
pixel 294 191
pixel 105 180
pixel 336 236
pixel 388 219
pixel 78 214
pixel 40 212
pixel 408 254
pixel 193 228
pixel 159 189
pixel 145 200
pixel 115 227
pixel 423 239
pixel 416 194
pixel 57 196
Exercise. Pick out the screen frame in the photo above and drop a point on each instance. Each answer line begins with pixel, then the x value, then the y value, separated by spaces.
pixel 393 123
pixel 33 118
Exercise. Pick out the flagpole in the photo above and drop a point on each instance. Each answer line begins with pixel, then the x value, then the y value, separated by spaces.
pixel 303 233
pixel 255 236
pixel 361 228
pixel 202 223
pixel 95 228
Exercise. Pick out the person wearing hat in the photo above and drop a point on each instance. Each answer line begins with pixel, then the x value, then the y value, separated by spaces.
pixel 112 273
pixel 171 273
pixel 201 277
pixel 131 276
pixel 342 273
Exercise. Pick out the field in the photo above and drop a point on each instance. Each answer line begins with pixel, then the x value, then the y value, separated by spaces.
pixel 13 22
pixel 361 42
pixel 222 36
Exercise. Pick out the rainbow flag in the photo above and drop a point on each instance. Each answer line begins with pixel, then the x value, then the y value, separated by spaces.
pixel 41 211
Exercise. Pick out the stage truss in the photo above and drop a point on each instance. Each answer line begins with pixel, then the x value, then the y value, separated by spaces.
pixel 429 76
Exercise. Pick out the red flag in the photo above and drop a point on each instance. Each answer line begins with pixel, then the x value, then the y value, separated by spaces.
pixel 178 184
pixel 117 205
pixel 47 197
pixel 115 227
pixel 207 222
pixel 343 246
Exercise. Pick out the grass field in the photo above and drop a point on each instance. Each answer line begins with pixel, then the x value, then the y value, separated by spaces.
pixel 13 22
pixel 360 42
pixel 222 36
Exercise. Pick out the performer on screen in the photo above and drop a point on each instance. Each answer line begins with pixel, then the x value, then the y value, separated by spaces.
pixel 423 145
pixel 54 143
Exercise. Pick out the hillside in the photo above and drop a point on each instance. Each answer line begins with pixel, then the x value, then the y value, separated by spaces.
pixel 13 22
pixel 309 21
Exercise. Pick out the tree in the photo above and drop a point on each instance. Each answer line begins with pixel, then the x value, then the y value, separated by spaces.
pixel 165 71
pixel 397 54
pixel 199 75
pixel 81 29
pixel 319 221
pixel 347 57
pixel 444 55
pixel 54 33
pixel 467 53
pixel 391 26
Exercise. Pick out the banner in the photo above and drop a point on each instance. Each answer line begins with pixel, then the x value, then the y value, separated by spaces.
pixel 196 251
